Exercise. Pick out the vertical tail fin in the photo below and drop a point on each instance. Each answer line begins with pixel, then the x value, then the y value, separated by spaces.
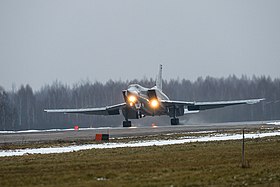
pixel 159 78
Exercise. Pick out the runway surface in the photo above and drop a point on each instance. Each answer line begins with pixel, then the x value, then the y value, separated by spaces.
pixel 9 137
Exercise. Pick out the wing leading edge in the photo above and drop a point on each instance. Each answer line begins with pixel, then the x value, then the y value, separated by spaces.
pixel 109 110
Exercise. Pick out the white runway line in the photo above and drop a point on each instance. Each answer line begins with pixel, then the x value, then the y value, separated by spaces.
pixel 56 130
pixel 218 137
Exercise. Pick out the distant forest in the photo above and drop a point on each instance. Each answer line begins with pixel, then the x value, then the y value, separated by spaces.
pixel 23 108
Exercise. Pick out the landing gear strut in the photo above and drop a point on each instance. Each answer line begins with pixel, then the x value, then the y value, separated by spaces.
pixel 175 121
pixel 126 123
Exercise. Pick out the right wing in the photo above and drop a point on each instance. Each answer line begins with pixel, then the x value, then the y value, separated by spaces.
pixel 194 107
pixel 220 104
pixel 109 110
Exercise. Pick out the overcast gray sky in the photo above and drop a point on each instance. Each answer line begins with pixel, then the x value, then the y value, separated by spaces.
pixel 42 41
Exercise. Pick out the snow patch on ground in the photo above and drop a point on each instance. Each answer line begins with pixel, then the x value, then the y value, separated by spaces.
pixel 217 137
pixel 195 132
pixel 274 123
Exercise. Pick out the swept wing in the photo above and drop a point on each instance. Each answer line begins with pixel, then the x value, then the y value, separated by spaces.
pixel 196 106
pixel 109 110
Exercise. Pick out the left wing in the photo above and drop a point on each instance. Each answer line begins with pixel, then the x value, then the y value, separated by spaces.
pixel 109 110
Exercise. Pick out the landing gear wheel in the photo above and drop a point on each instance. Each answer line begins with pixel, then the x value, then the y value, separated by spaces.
pixel 175 121
pixel 126 123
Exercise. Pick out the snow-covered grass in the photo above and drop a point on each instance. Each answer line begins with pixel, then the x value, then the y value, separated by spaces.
pixel 214 163
pixel 182 140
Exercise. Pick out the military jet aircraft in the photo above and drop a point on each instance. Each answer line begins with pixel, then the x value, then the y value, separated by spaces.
pixel 140 102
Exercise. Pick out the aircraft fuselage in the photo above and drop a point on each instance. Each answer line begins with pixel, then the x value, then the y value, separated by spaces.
pixel 141 101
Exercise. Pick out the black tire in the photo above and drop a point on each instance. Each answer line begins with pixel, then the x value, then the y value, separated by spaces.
pixel 175 121
pixel 126 123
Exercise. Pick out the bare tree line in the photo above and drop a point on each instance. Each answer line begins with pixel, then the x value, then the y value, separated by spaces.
pixel 23 108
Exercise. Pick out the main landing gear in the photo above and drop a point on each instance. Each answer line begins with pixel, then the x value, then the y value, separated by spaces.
pixel 175 121
pixel 126 123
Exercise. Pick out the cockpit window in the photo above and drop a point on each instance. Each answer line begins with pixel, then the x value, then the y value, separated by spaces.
pixel 138 87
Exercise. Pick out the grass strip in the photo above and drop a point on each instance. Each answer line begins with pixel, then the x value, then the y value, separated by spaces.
pixel 191 164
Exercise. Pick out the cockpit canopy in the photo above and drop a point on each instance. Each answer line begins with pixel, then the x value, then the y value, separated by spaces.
pixel 137 87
